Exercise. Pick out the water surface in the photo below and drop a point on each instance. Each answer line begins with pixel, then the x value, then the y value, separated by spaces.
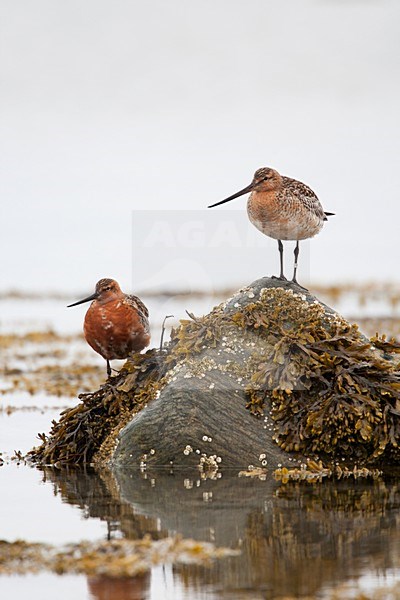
pixel 295 540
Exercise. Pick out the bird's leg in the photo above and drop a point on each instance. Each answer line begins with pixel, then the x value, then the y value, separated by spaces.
pixel 108 385
pixel 163 330
pixel 280 246
pixel 296 256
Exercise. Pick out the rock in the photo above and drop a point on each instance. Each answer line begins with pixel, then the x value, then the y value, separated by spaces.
pixel 270 377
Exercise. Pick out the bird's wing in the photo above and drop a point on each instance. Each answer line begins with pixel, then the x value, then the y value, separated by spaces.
pixel 306 195
pixel 137 303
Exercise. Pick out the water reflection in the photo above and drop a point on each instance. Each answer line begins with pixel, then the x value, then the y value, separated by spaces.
pixel 294 539
pixel 107 588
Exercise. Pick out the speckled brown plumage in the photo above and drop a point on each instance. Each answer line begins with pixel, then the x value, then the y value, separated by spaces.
pixel 282 208
pixel 116 324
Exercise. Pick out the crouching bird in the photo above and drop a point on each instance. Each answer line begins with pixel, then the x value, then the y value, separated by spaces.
pixel 116 324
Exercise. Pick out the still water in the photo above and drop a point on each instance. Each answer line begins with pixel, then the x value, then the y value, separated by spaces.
pixel 331 541
pixel 298 540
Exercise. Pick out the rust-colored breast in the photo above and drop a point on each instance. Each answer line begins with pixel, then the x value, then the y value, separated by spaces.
pixel 115 329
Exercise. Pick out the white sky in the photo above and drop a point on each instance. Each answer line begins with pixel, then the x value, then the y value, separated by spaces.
pixel 109 108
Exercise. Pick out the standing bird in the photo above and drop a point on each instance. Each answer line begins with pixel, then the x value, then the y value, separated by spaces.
pixel 282 208
pixel 116 324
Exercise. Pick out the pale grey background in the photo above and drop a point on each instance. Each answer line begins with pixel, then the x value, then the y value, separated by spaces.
pixel 111 107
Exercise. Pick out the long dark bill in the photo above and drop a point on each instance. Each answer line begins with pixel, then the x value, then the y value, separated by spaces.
pixel 88 299
pixel 245 190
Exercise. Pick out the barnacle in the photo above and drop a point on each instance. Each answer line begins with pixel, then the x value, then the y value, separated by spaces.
pixel 329 391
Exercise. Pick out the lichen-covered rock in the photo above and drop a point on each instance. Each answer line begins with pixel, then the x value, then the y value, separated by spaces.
pixel 270 377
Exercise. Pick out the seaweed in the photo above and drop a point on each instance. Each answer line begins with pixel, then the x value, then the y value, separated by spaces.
pixel 330 392
pixel 112 558
pixel 82 430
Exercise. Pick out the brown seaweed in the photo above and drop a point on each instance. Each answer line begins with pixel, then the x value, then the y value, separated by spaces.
pixel 81 430
pixel 332 393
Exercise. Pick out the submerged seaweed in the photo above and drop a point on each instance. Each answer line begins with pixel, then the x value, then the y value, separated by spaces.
pixel 113 558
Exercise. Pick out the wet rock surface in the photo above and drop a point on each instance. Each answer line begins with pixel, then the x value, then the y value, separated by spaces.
pixel 240 393
pixel 201 414
pixel 192 424
pixel 271 377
